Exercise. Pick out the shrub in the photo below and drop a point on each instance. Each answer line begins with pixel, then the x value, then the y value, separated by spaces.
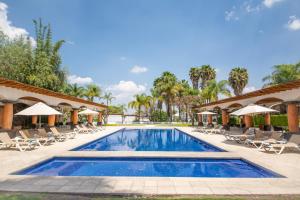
pixel 159 116
pixel 279 120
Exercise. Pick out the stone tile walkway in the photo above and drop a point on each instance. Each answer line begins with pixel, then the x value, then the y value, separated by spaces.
pixel 286 164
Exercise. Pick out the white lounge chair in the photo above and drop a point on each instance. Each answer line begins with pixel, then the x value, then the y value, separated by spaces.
pixel 292 143
pixel 261 140
pixel 7 142
pixel 62 136
pixel 25 135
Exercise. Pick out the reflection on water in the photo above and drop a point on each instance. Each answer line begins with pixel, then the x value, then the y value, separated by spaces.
pixel 148 140
pixel 157 167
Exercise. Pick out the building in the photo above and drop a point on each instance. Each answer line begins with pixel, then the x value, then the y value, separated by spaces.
pixel 15 96
pixel 287 94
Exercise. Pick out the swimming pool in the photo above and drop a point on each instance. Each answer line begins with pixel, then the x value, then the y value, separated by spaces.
pixel 148 167
pixel 149 140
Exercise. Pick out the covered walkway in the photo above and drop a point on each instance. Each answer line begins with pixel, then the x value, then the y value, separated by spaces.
pixel 15 96
pixel 283 97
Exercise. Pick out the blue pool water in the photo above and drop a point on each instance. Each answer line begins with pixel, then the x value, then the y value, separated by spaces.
pixel 155 167
pixel 148 140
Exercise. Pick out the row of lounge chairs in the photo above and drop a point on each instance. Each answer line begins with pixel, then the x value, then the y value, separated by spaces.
pixel 27 140
pixel 267 140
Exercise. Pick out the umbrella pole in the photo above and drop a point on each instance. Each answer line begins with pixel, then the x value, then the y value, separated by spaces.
pixel 40 121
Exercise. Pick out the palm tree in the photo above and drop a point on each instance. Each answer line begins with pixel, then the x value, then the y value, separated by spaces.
pixel 214 89
pixel 207 73
pixel 282 74
pixel 108 97
pixel 164 86
pixel 92 92
pixel 75 90
pixel 141 101
pixel 195 76
pixel 238 79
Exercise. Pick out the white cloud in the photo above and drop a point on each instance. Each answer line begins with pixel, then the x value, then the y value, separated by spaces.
pixel 138 69
pixel 231 15
pixel 10 30
pixel 270 3
pixel 250 8
pixel 293 23
pixel 79 80
pixel 249 89
pixel 125 90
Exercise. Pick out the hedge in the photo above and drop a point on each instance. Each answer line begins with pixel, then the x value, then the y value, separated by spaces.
pixel 276 120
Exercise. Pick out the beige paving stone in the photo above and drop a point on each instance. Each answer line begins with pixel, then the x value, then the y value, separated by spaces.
pixel 150 190
pixel 286 164
pixel 150 183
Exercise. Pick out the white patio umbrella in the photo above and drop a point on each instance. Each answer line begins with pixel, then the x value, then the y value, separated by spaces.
pixel 88 112
pixel 207 113
pixel 253 109
pixel 39 109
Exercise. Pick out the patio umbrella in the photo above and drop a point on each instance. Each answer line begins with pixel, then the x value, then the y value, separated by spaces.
pixel 39 109
pixel 88 112
pixel 253 109
pixel 207 113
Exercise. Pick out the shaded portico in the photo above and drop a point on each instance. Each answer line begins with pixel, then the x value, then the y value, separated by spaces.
pixel 13 92
pixel 286 96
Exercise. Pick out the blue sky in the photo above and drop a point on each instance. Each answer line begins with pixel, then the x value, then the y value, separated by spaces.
pixel 122 45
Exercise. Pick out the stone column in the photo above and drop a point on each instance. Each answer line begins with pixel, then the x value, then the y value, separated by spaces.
pixel 7 115
pixel 225 117
pixel 1 116
pixel 90 119
pixel 34 119
pixel 293 120
pixel 75 117
pixel 100 117
pixel 199 118
pixel 248 121
pixel 268 119
pixel 209 119
pixel 51 120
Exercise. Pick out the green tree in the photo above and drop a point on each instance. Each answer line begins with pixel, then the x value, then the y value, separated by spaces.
pixel 75 90
pixel 214 89
pixel 207 73
pixel 282 74
pixel 93 91
pixel 238 79
pixel 164 86
pixel 108 97
pixel 15 58
pixel 194 74
pixel 39 66
pixel 140 101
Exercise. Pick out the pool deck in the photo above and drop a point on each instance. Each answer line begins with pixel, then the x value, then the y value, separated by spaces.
pixel 286 164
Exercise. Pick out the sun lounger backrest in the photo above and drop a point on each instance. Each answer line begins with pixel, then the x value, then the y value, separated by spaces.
pixel 276 135
pixel 295 138
pixel 259 134
pixel 54 131
pixel 42 132
pixel 4 137
pixel 23 135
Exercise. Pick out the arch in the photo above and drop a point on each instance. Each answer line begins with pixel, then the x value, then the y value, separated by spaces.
pixel 64 104
pixel 269 100
pixel 29 100
pixel 234 105
pixel 217 109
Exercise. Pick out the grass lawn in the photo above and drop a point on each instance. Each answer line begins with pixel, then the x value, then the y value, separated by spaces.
pixel 47 196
